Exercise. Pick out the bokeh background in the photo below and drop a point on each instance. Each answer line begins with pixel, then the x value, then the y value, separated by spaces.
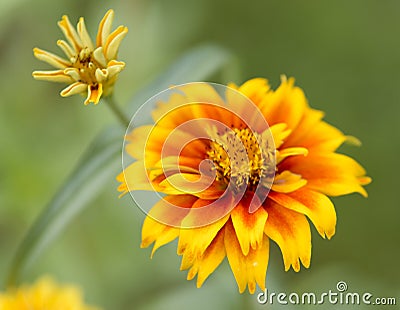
pixel 344 54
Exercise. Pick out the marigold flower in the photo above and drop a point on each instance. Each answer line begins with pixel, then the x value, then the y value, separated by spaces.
pixel 45 294
pixel 90 69
pixel 283 183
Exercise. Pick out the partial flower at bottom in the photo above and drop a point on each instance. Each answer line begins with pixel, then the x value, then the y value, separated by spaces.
pixel 307 170
pixel 45 294
pixel 90 68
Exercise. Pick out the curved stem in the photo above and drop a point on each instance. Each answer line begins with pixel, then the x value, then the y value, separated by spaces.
pixel 117 111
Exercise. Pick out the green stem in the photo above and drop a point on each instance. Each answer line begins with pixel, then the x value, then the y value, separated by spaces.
pixel 117 111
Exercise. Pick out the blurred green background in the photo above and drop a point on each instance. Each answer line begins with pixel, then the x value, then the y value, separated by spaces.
pixel 344 54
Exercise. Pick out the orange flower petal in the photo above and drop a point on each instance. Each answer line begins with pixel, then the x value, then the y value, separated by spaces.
pixel 255 89
pixel 137 139
pixel 153 141
pixel 248 269
pixel 159 233
pixel 286 105
pixel 196 116
pixel 94 93
pixel 279 133
pixel 201 92
pixel 244 102
pixel 194 184
pixel 175 165
pixel 310 119
pixel 134 177
pixel 329 173
pixel 249 227
pixel 210 260
pixel 291 231
pixel 323 137
pixel 286 182
pixel 316 206
pixel 291 151
pixel 193 242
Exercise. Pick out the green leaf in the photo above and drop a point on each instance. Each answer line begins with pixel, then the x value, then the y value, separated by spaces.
pixel 101 161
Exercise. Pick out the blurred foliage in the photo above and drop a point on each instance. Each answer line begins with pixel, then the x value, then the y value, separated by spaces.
pixel 344 54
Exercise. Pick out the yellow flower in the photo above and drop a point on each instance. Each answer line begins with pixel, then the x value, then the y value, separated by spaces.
pixel 89 68
pixel 281 184
pixel 45 294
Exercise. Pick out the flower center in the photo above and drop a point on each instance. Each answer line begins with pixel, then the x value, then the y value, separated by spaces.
pixel 241 156
pixel 87 65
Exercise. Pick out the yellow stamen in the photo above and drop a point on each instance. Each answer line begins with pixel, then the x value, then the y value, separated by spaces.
pixel 243 156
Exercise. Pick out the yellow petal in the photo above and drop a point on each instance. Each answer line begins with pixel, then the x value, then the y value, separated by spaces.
pixel 66 48
pixel 193 242
pixel 84 35
pixel 75 88
pixel 104 28
pixel 353 140
pixel 101 75
pixel 172 210
pixel 113 41
pixel 160 233
pixel 291 151
pixel 210 260
pixel 255 89
pixel 153 141
pixel 73 73
pixel 247 269
pixel 279 133
pixel 114 67
pixel 318 208
pixel 134 177
pixel 70 33
pixel 50 58
pixel 249 227
pixel 286 182
pixel 329 173
pixel 52 76
pixel 197 117
pixel 364 180
pixel 98 55
pixel 323 137
pixel 94 93
pixel 310 119
pixel 209 211
pixel 194 184
pixel 201 92
pixel 163 108
pixel 137 141
pixel 291 231
pixel 285 105
pixel 176 164
pixel 152 228
pixel 166 236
